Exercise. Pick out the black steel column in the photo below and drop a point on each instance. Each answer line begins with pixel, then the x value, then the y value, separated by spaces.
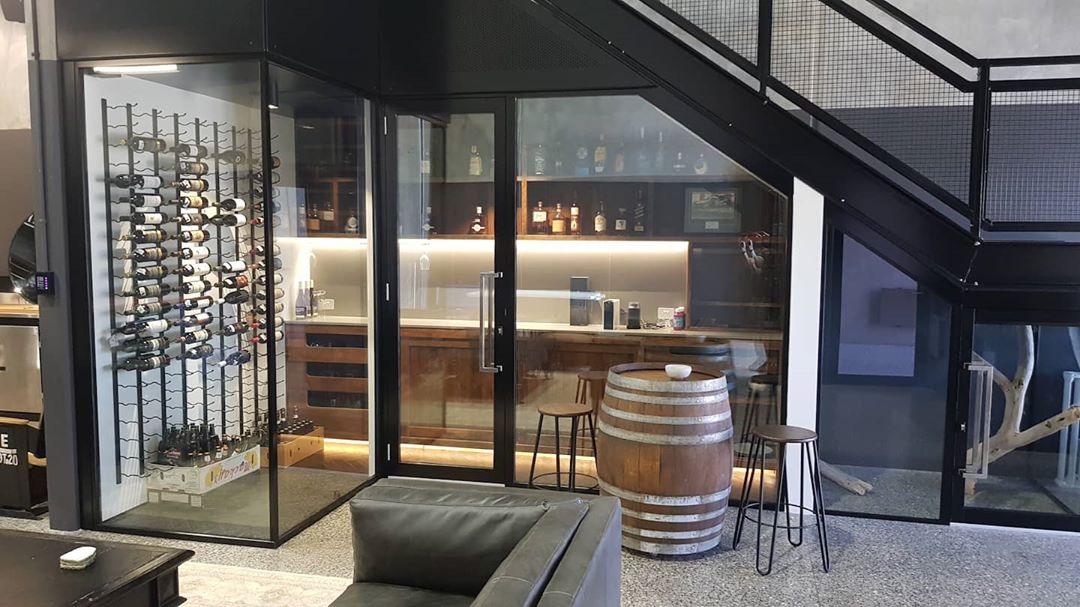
pixel 764 45
pixel 980 149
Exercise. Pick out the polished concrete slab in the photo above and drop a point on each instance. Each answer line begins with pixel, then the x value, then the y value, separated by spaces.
pixel 874 563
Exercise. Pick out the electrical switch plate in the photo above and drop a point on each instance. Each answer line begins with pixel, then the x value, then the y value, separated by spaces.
pixel 326 304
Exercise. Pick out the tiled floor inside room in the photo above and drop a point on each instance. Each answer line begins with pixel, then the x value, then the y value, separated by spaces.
pixel 874 563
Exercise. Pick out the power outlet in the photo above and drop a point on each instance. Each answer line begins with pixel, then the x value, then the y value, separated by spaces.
pixel 326 304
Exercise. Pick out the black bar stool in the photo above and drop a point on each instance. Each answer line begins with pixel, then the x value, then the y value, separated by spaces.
pixel 759 386
pixel 574 411
pixel 590 390
pixel 782 436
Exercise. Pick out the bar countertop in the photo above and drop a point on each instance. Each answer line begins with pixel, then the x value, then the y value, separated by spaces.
pixel 543 327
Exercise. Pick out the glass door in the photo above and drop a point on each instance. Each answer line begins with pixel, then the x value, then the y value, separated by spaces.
pixel 446 185
pixel 1020 464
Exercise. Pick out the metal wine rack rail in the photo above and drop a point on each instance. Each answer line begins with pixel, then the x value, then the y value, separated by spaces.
pixel 234 156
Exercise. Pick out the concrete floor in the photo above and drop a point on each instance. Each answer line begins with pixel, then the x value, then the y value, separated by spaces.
pixel 874 563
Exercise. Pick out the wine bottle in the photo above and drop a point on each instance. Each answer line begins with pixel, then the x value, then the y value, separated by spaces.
pixel 145 291
pixel 302 307
pixel 195 253
pixel 150 309
pixel 191 219
pixel 146 144
pixel 191 150
pixel 148 236
pixel 237 297
pixel 149 182
pixel 235 282
pixel 275 263
pixel 151 272
pixel 149 254
pixel 260 251
pixel 195 337
pixel 192 202
pixel 261 309
pixel 198 320
pixel 146 219
pixel 143 200
pixel 232 204
pixel 145 326
pixel 233 266
pixel 195 287
pixel 200 303
pixel 145 363
pixel 278 295
pixel 199 352
pixel 195 269
pixel 191 185
pixel 192 168
pixel 236 328
pixel 278 278
pixel 232 156
pixel 275 221
pixel 193 236
pixel 142 345
pixel 263 338
pixel 229 220
pixel 238 358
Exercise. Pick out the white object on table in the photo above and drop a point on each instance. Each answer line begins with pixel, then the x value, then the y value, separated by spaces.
pixel 678 371
pixel 79 558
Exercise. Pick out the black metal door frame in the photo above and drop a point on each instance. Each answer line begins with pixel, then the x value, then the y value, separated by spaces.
pixel 388 438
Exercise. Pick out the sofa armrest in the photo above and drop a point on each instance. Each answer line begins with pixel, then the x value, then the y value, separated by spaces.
pixel 590 571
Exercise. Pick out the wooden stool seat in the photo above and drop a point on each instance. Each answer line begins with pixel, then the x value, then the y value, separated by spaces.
pixel 784 434
pixel 766 379
pixel 565 409
pixel 593 375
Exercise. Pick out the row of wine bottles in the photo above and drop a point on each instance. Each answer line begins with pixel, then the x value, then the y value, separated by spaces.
pixel 204 351
pixel 202 319
pixel 234 298
pixel 147 203
pixel 144 345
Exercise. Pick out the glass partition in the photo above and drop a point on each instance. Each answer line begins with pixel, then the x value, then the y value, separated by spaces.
pixel 638 242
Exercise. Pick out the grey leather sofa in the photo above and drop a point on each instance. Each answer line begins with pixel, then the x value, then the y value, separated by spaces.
pixel 441 544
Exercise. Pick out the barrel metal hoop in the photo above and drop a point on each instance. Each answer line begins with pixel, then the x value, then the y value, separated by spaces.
pixel 712 399
pixel 616 377
pixel 675 518
pixel 674 535
pixel 665 439
pixel 664 419
pixel 670 549
pixel 665 500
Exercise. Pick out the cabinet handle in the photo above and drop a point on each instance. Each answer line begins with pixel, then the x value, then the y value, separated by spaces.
pixel 982 399
pixel 487 302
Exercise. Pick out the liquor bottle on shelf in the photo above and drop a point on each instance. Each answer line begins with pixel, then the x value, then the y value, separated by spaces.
pixel 575 218
pixel 701 165
pixel 539 160
pixel 582 161
pixel 149 254
pixel 600 221
pixel 679 166
pixel 146 144
pixel 145 363
pixel 476 163
pixel 327 214
pixel 260 251
pixel 191 150
pixel 192 201
pixel 195 253
pixel 139 182
pixel 479 225
pixel 236 328
pixel 197 336
pixel 143 200
pixel 193 236
pixel 231 220
pixel 237 297
pixel 660 162
pixel 263 338
pixel 302 306
pixel 232 156
pixel 150 273
pixel 142 327
pixel 143 345
pixel 197 320
pixel 540 218
pixel 195 287
pixel 313 223
pixel 232 205
pixel 558 222
pixel 301 211
pixel 233 267
pixel 199 303
pixel 147 236
pixel 198 169
pixel 191 219
pixel 621 223
pixel 150 309
pixel 600 156
pixel 195 269
pixel 618 166
pixel 559 165
pixel 643 160
pixel 640 211
pixel 191 185
pixel 199 352
pixel 235 282
pixel 239 357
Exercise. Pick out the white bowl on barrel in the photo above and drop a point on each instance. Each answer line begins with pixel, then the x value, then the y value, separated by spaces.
pixel 678 371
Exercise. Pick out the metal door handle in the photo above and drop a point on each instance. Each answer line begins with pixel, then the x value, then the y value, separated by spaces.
pixel 487 329
pixel 978 465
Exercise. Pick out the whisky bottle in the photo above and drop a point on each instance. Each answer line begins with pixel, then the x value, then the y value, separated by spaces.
pixel 142 345
pixel 232 205
pixel 191 150
pixel 145 363
pixel 540 219
pixel 197 169
pixel 575 219
pixel 582 167
pixel 197 320
pixel 195 269
pixel 195 337
pixel 145 326
pixel 476 163
pixel 146 144
pixel 146 182
pixel 149 254
pixel 640 210
pixel 195 253
pixel 621 226
pixel 558 222
pixel 619 164
pixel 327 214
pixel 660 161
pixel 313 223
pixel 539 164
pixel 643 161
pixel 143 200
pixel 679 166
pixel 600 221
pixel 193 236
pixel 600 157
pixel 199 352
pixel 478 226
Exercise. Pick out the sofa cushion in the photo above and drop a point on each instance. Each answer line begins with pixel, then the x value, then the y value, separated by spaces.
pixel 439 540
pixel 365 594
pixel 521 578
pixel 589 572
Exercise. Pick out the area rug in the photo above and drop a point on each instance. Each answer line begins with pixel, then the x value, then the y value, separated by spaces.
pixel 206 585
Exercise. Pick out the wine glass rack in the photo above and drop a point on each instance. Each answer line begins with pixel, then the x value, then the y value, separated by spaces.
pixel 193 285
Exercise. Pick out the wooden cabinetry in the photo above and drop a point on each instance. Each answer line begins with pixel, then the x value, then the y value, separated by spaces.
pixel 327 377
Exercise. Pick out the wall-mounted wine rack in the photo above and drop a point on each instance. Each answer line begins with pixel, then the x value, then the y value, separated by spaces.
pixel 193 288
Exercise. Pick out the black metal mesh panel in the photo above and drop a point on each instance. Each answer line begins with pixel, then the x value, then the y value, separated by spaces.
pixel 734 23
pixel 903 108
pixel 1034 162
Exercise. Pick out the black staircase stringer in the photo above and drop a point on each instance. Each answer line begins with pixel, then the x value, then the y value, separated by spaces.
pixel 774 132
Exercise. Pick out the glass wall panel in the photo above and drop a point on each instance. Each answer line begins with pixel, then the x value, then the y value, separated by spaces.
pixel 171 157
pixel 1034 455
pixel 321 199
pixel 639 242
pixel 884 386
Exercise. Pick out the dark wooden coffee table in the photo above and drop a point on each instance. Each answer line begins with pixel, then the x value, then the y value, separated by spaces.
pixel 122 574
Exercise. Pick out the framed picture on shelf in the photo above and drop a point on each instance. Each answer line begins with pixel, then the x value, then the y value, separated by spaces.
pixel 713 209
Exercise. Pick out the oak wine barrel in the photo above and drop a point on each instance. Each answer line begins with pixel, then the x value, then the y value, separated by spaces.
pixel 664 449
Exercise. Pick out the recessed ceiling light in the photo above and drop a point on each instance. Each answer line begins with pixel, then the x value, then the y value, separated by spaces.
pixel 162 68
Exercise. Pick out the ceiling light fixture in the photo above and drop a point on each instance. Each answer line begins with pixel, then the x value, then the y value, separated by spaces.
pixel 131 70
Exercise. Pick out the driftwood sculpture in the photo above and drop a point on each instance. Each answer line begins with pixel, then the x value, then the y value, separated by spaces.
pixel 1009 437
